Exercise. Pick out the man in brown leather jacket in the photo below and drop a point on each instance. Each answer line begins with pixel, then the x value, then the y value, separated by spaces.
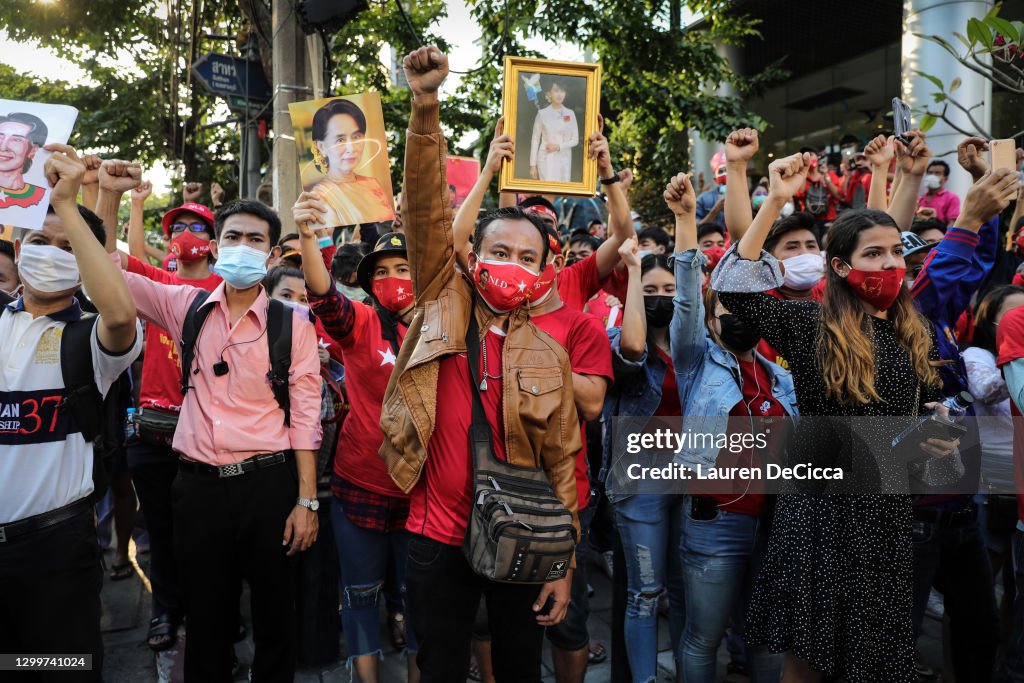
pixel 526 390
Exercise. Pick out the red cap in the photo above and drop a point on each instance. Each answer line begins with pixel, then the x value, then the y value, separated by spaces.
pixel 198 209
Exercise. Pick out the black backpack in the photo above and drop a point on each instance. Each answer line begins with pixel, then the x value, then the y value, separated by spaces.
pixel 100 419
pixel 816 198
pixel 279 339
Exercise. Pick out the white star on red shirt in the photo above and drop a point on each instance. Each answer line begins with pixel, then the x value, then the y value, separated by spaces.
pixel 387 357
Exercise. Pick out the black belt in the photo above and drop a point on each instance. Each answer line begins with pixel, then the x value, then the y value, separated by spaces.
pixel 30 525
pixel 257 462
pixel 951 518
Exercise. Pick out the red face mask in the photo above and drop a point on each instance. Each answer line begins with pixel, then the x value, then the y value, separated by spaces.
pixel 877 287
pixel 503 285
pixel 544 284
pixel 393 293
pixel 187 247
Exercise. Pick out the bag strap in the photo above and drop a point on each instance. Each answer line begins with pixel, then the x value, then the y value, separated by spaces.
pixel 279 337
pixel 194 320
pixel 76 369
pixel 479 429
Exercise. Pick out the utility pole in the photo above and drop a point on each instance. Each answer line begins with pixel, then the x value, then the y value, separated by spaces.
pixel 290 84
pixel 249 162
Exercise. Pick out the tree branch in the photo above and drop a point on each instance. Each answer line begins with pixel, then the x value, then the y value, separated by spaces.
pixel 977 126
pixel 994 75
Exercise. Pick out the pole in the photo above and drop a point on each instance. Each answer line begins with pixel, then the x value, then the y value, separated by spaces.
pixel 290 82
pixel 249 163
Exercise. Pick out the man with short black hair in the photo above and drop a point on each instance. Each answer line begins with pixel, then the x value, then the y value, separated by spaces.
pixel 245 493
pixel 656 240
pixel 9 282
pixel 426 448
pixel 709 236
pixel 49 555
pixel 944 203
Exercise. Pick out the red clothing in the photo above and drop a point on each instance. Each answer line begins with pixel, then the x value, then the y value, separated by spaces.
pixel 597 307
pixel 578 283
pixel 830 213
pixel 368 359
pixel 440 502
pixel 746 497
pixel 585 340
pixel 669 406
pixel 617 283
pixel 161 365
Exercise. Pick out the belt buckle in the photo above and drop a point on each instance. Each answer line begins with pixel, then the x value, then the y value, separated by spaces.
pixel 232 470
pixel 3 534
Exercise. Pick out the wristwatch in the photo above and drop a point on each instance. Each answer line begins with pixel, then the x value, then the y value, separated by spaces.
pixel 313 504
pixel 611 181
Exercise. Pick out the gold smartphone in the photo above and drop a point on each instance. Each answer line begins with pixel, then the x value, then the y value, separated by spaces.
pixel 1003 154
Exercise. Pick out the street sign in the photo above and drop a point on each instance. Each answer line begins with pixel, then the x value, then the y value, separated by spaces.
pixel 233 78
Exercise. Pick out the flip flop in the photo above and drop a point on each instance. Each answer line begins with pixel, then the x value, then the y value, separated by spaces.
pixel 474 669
pixel 597 652
pixel 120 572
pixel 162 628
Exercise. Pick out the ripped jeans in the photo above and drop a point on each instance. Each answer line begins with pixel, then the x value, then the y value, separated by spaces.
pixel 651 529
pixel 363 554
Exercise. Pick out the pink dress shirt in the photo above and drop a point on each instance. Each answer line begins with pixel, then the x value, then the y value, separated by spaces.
pixel 230 418
pixel 945 203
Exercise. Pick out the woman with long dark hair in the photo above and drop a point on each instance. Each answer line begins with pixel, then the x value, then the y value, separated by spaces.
pixel 835 590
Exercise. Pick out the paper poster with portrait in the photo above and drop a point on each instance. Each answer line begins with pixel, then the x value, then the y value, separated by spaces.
pixel 7 233
pixel 25 128
pixel 462 174
pixel 343 156
pixel 550 110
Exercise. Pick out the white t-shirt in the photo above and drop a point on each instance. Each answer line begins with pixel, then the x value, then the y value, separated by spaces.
pixel 45 463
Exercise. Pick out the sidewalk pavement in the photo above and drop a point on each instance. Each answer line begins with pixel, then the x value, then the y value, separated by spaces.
pixel 126 614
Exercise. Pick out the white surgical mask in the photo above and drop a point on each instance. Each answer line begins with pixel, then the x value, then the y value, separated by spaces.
pixel 787 209
pixel 932 182
pixel 804 271
pixel 353 293
pixel 45 268
pixel 640 254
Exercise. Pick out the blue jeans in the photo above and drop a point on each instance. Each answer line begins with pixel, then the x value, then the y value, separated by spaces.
pixel 719 558
pixel 363 554
pixel 649 525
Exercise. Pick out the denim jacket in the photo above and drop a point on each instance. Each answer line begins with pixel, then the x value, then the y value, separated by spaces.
pixel 708 379
pixel 709 376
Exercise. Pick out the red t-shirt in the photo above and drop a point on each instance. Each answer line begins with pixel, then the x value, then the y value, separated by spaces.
pixel 161 364
pixel 440 502
pixel 669 406
pixel 578 283
pixel 585 340
pixel 369 360
pixel 599 308
pixel 743 496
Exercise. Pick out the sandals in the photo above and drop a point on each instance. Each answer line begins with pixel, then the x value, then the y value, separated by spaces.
pixel 474 669
pixel 120 572
pixel 163 633
pixel 597 652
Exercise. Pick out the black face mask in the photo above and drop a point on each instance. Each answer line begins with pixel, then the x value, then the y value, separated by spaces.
pixel 736 334
pixel 659 310
pixel 571 260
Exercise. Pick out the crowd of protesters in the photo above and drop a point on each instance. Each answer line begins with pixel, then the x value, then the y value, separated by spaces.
pixel 298 410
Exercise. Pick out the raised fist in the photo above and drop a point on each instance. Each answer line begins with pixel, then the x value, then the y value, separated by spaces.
pixel 192 192
pixel 425 70
pixel 120 176
pixel 741 145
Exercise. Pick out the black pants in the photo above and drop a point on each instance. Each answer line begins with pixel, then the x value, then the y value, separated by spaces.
pixel 153 469
pixel 226 530
pixel 442 593
pixel 50 597
pixel 955 561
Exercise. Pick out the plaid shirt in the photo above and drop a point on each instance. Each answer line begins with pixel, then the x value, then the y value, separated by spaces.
pixel 370 510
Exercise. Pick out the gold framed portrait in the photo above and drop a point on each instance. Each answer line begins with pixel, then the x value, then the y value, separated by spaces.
pixel 550 111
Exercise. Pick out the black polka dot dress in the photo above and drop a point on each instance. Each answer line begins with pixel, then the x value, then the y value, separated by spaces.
pixel 835 587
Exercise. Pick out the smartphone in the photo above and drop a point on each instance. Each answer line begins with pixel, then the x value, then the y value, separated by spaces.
pixel 936 427
pixel 1003 153
pixel 901 120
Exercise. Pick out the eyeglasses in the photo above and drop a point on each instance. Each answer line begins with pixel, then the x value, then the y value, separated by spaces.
pixel 193 227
